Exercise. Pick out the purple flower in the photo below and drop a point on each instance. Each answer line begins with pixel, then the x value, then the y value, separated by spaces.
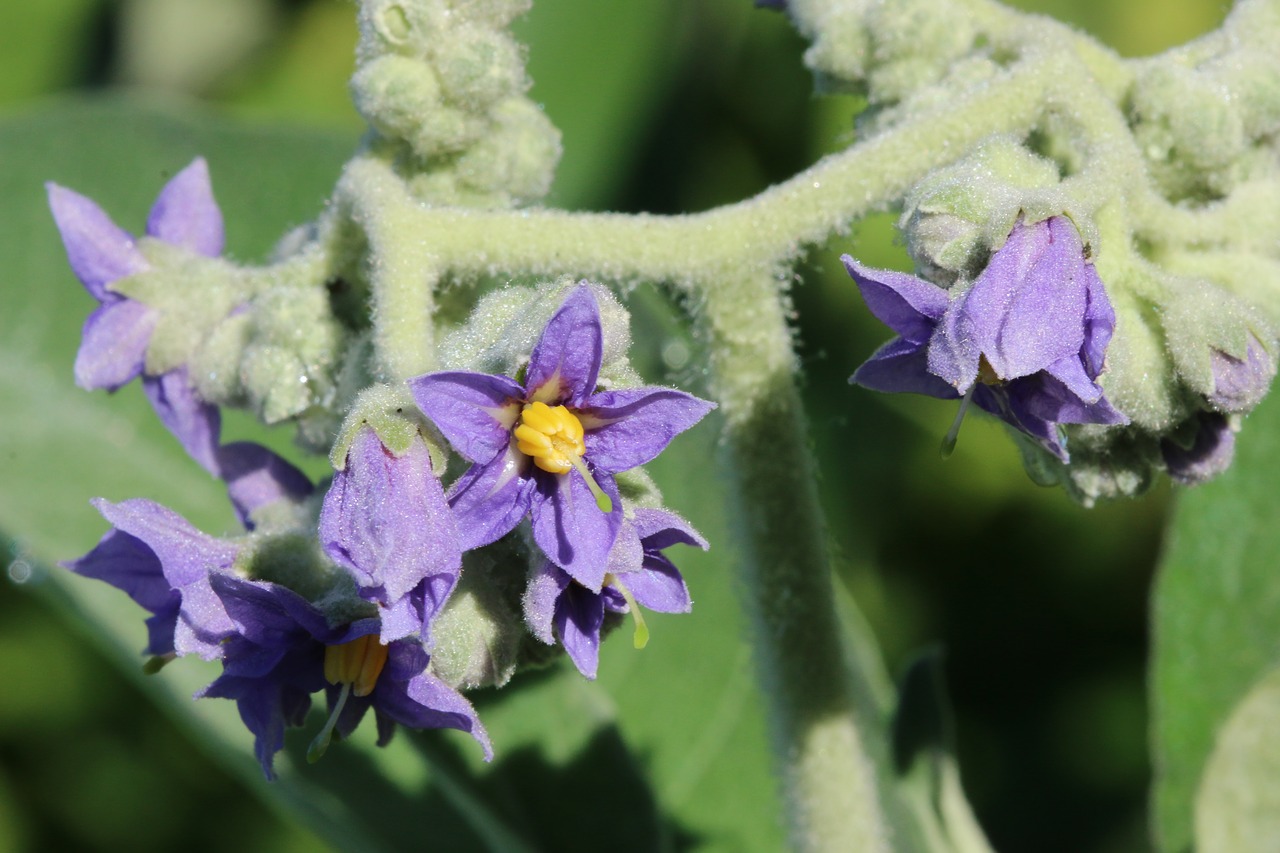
pixel 165 565
pixel 1027 340
pixel 558 607
pixel 1240 384
pixel 283 650
pixel 385 520
pixel 114 341
pixel 549 448
pixel 1212 447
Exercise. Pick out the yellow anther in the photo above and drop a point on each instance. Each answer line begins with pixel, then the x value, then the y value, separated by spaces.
pixel 358 663
pixel 551 436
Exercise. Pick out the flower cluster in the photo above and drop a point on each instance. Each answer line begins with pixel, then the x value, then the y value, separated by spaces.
pixel 1026 340
pixel 347 593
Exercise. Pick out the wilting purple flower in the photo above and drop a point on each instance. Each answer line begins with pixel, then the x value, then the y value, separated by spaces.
pixel 1210 452
pixel 164 564
pixel 550 448
pixel 386 521
pixel 1027 339
pixel 283 650
pixel 114 341
pixel 558 607
pixel 1240 384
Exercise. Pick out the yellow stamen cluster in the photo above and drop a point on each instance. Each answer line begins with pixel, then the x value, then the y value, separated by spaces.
pixel 357 663
pixel 551 436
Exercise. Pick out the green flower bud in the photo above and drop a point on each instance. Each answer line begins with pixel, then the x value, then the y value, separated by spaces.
pixel 499 335
pixel 215 366
pixel 955 217
pixel 1190 130
pixel 478 66
pixel 518 157
pixel 401 98
pixel 479 634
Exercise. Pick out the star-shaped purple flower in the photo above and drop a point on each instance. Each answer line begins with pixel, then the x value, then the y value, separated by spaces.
pixel 283 650
pixel 386 521
pixel 549 448
pixel 115 337
pixel 558 607
pixel 1027 340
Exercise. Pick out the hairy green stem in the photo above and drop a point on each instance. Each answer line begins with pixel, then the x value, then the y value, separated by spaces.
pixel 403 278
pixel 691 250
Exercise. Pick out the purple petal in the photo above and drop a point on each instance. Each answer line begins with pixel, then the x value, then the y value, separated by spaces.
pixel 910 306
pixel 540 597
pixel 1069 373
pixel 413 613
pixel 385 519
pixel 1046 397
pixel 185 213
pixel 113 344
pixel 1208 456
pixel 98 250
pixel 1027 307
pixel 578 619
pixel 257 477
pixel 565 362
pixel 196 424
pixel 261 707
pixel 187 558
pixel 1009 408
pixel 953 351
pixel 426 702
pixel 489 500
pixel 660 528
pixel 1099 323
pixel 630 427
pixel 475 411
pixel 659 586
pixel 627 554
pixel 269 614
pixel 902 366
pixel 128 564
pixel 569 527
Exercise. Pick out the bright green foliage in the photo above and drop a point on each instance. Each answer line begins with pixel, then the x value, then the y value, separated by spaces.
pixel 1216 619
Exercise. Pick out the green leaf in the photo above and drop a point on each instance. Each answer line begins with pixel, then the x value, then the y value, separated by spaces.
pixel 666 750
pixel 1216 617
pixel 1238 804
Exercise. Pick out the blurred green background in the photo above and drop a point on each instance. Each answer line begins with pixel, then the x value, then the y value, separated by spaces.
pixel 669 106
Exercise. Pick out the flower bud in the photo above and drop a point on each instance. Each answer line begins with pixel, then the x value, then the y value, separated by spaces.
pixel 1201 450
pixel 1189 129
pixel 517 158
pixel 479 633
pixel 1239 384
pixel 477 66
pixel 957 215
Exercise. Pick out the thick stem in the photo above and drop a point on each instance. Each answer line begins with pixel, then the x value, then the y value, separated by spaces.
pixel 692 250
pixel 403 278
pixel 821 741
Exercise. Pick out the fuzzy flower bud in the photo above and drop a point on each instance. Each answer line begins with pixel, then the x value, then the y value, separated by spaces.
pixel 958 215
